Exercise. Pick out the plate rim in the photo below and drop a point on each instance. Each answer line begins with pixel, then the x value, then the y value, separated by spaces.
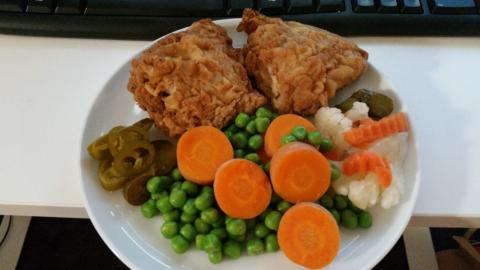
pixel 227 23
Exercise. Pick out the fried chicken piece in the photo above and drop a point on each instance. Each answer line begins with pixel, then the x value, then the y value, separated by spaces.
pixel 298 66
pixel 193 78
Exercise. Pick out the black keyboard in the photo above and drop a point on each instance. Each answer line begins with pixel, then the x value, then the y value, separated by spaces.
pixel 149 19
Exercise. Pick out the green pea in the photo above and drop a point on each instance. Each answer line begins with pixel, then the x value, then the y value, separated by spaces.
pixel 212 243
pixel 314 137
pixel 201 226
pixel 251 223
pixel 200 241
pixel 178 198
pixel 326 145
pixel 188 231
pixel 158 196
pixel 204 201
pixel 238 238
pixel 349 219
pixel 232 128
pixel 187 218
pixel 153 184
pixel 221 233
pixel 175 185
pixel 272 220
pixel 255 246
pixel 264 214
pixel 206 189
pixel 251 127
pixel 286 139
pixel 190 188
pixel 341 202
pixel 326 201
pixel 172 215
pixel 242 120
pixel 261 230
pixel 227 219
pixel 354 208
pixel 176 175
pixel 263 112
pixel 179 244
pixel 274 115
pixel 253 157
pixel 271 243
pixel 266 167
pixel 210 215
pixel 219 223
pixel 232 249
pixel 169 229
pixel 189 207
pixel 365 220
pixel 255 142
pixel 164 205
pixel 283 206
pixel 300 132
pixel 335 214
pixel 334 172
pixel 239 153
pixel 261 123
pixel 229 134
pixel 215 256
pixel 148 209
pixel 240 139
pixel 236 227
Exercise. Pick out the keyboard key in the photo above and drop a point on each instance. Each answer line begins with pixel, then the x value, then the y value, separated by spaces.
pixel 364 6
pixel 270 7
pixel 69 7
pixel 12 5
pixel 300 6
pixel 40 6
pixel 412 6
pixel 388 6
pixel 331 5
pixel 182 8
pixel 453 6
pixel 235 7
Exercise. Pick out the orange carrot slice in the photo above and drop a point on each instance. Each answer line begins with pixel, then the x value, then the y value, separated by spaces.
pixel 200 151
pixel 309 235
pixel 299 173
pixel 334 154
pixel 374 130
pixel 242 189
pixel 363 162
pixel 281 126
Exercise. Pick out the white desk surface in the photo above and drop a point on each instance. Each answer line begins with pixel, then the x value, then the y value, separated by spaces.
pixel 48 85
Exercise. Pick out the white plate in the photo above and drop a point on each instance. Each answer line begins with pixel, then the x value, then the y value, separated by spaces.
pixel 137 241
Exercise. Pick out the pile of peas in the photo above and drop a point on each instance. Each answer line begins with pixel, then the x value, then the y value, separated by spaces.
pixel 245 134
pixel 300 134
pixel 345 212
pixel 191 217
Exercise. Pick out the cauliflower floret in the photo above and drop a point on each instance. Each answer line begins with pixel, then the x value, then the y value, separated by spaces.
pixel 364 193
pixel 332 123
pixel 359 111
pixel 391 195
pixel 393 148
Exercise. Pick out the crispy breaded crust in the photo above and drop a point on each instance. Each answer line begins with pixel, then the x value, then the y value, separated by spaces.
pixel 298 66
pixel 192 78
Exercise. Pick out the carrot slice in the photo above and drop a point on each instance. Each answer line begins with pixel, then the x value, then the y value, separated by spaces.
pixel 334 154
pixel 309 235
pixel 363 162
pixel 299 173
pixel 281 126
pixel 371 131
pixel 200 151
pixel 242 189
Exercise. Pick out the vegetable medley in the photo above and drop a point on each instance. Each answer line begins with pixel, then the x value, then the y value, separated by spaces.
pixel 265 182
